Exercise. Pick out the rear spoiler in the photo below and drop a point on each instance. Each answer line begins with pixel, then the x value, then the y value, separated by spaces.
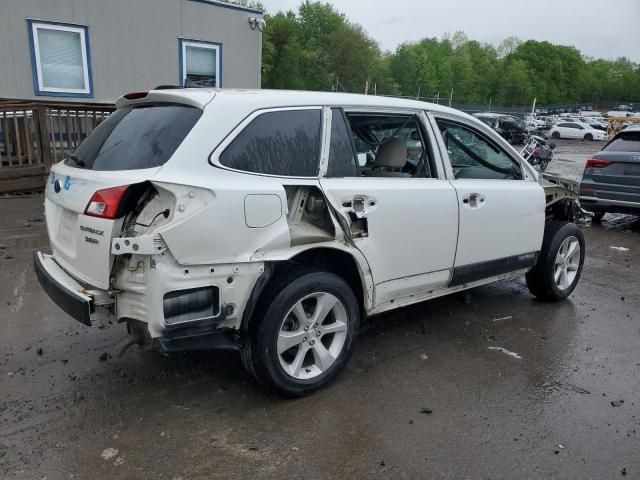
pixel 193 97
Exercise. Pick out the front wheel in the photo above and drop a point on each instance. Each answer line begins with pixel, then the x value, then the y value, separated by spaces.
pixel 559 266
pixel 303 332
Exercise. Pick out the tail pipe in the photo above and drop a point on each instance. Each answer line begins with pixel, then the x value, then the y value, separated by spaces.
pixel 138 335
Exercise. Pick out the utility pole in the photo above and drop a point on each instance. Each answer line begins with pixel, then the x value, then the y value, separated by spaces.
pixel 366 87
pixel 419 87
pixel 490 98
pixel 533 109
pixel 451 97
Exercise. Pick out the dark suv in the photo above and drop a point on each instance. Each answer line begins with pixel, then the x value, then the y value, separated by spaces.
pixel 511 128
pixel 611 180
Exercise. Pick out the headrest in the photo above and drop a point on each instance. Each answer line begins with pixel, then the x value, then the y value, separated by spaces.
pixel 391 154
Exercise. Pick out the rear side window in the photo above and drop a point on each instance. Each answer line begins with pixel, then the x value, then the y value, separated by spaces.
pixel 342 158
pixel 284 143
pixel 131 138
pixel 625 142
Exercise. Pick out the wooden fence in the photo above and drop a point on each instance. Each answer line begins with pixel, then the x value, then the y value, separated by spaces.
pixel 33 136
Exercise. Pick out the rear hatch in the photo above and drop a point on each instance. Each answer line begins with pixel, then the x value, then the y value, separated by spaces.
pixel 89 193
pixel 614 172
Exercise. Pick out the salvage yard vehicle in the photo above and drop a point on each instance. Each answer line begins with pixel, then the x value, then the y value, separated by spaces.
pixel 611 179
pixel 273 223
pixel 576 129
pixel 511 128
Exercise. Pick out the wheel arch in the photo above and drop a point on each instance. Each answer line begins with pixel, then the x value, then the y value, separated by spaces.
pixel 348 263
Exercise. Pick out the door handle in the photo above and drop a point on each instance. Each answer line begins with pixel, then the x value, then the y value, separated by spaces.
pixel 474 200
pixel 359 205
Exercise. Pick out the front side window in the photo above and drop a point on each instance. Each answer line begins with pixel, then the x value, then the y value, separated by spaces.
pixel 200 64
pixel 60 58
pixel 284 143
pixel 473 155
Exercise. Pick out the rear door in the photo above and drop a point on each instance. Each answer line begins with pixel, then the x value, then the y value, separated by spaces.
pixel 128 148
pixel 501 214
pixel 403 219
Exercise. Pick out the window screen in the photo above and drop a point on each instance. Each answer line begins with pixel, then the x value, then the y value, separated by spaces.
pixel 61 59
pixel 342 159
pixel 201 65
pixel 285 143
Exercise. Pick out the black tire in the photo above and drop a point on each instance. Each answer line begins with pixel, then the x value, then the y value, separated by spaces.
pixel 597 215
pixel 555 135
pixel 540 280
pixel 290 285
pixel 588 137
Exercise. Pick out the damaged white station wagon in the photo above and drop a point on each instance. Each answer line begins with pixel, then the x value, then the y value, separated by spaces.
pixel 273 222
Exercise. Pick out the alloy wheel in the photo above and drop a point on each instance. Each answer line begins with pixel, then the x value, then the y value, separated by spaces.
pixel 567 263
pixel 312 335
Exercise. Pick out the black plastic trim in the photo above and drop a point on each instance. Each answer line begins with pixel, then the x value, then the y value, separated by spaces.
pixel 72 303
pixel 258 288
pixel 481 270
pixel 217 340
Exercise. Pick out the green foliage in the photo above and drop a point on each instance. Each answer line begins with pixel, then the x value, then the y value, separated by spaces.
pixel 317 48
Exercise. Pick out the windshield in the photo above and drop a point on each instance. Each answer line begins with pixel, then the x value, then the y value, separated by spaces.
pixel 136 137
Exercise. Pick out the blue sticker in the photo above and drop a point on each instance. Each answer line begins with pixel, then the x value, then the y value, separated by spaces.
pixel 67 182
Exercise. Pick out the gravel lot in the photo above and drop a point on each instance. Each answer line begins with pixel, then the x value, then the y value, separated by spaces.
pixel 568 408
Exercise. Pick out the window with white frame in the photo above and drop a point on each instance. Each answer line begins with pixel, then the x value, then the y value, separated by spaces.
pixel 60 55
pixel 200 63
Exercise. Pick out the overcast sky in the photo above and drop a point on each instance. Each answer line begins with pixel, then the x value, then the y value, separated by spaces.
pixel 606 29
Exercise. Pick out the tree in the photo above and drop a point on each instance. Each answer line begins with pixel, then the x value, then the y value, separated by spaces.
pixel 317 48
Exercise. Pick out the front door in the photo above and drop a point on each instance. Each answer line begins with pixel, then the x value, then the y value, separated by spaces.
pixel 402 216
pixel 502 214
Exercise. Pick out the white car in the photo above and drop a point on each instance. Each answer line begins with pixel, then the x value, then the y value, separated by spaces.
pixel 274 223
pixel 575 129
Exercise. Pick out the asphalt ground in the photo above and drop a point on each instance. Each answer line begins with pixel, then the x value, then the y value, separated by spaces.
pixel 569 407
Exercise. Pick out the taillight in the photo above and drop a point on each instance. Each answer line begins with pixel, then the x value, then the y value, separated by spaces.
pixel 597 163
pixel 135 95
pixel 105 203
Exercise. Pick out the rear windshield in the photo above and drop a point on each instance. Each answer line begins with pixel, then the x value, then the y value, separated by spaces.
pixel 625 142
pixel 132 138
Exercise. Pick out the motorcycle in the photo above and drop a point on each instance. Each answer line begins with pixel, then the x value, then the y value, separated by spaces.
pixel 538 152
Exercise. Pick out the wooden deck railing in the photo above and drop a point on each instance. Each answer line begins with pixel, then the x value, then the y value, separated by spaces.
pixel 34 136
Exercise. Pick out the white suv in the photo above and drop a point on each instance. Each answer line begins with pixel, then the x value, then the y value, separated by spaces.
pixel 274 222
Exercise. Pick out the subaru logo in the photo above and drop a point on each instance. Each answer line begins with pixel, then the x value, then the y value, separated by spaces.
pixel 56 186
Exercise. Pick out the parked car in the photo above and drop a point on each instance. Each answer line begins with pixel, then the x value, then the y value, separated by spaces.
pixel 564 129
pixel 611 179
pixel 511 128
pixel 599 123
pixel 273 223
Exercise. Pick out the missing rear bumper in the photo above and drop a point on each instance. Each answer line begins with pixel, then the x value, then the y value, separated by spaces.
pixel 87 306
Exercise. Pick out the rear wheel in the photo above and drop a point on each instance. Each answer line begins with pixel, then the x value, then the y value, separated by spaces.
pixel 303 332
pixel 555 135
pixel 588 136
pixel 559 267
